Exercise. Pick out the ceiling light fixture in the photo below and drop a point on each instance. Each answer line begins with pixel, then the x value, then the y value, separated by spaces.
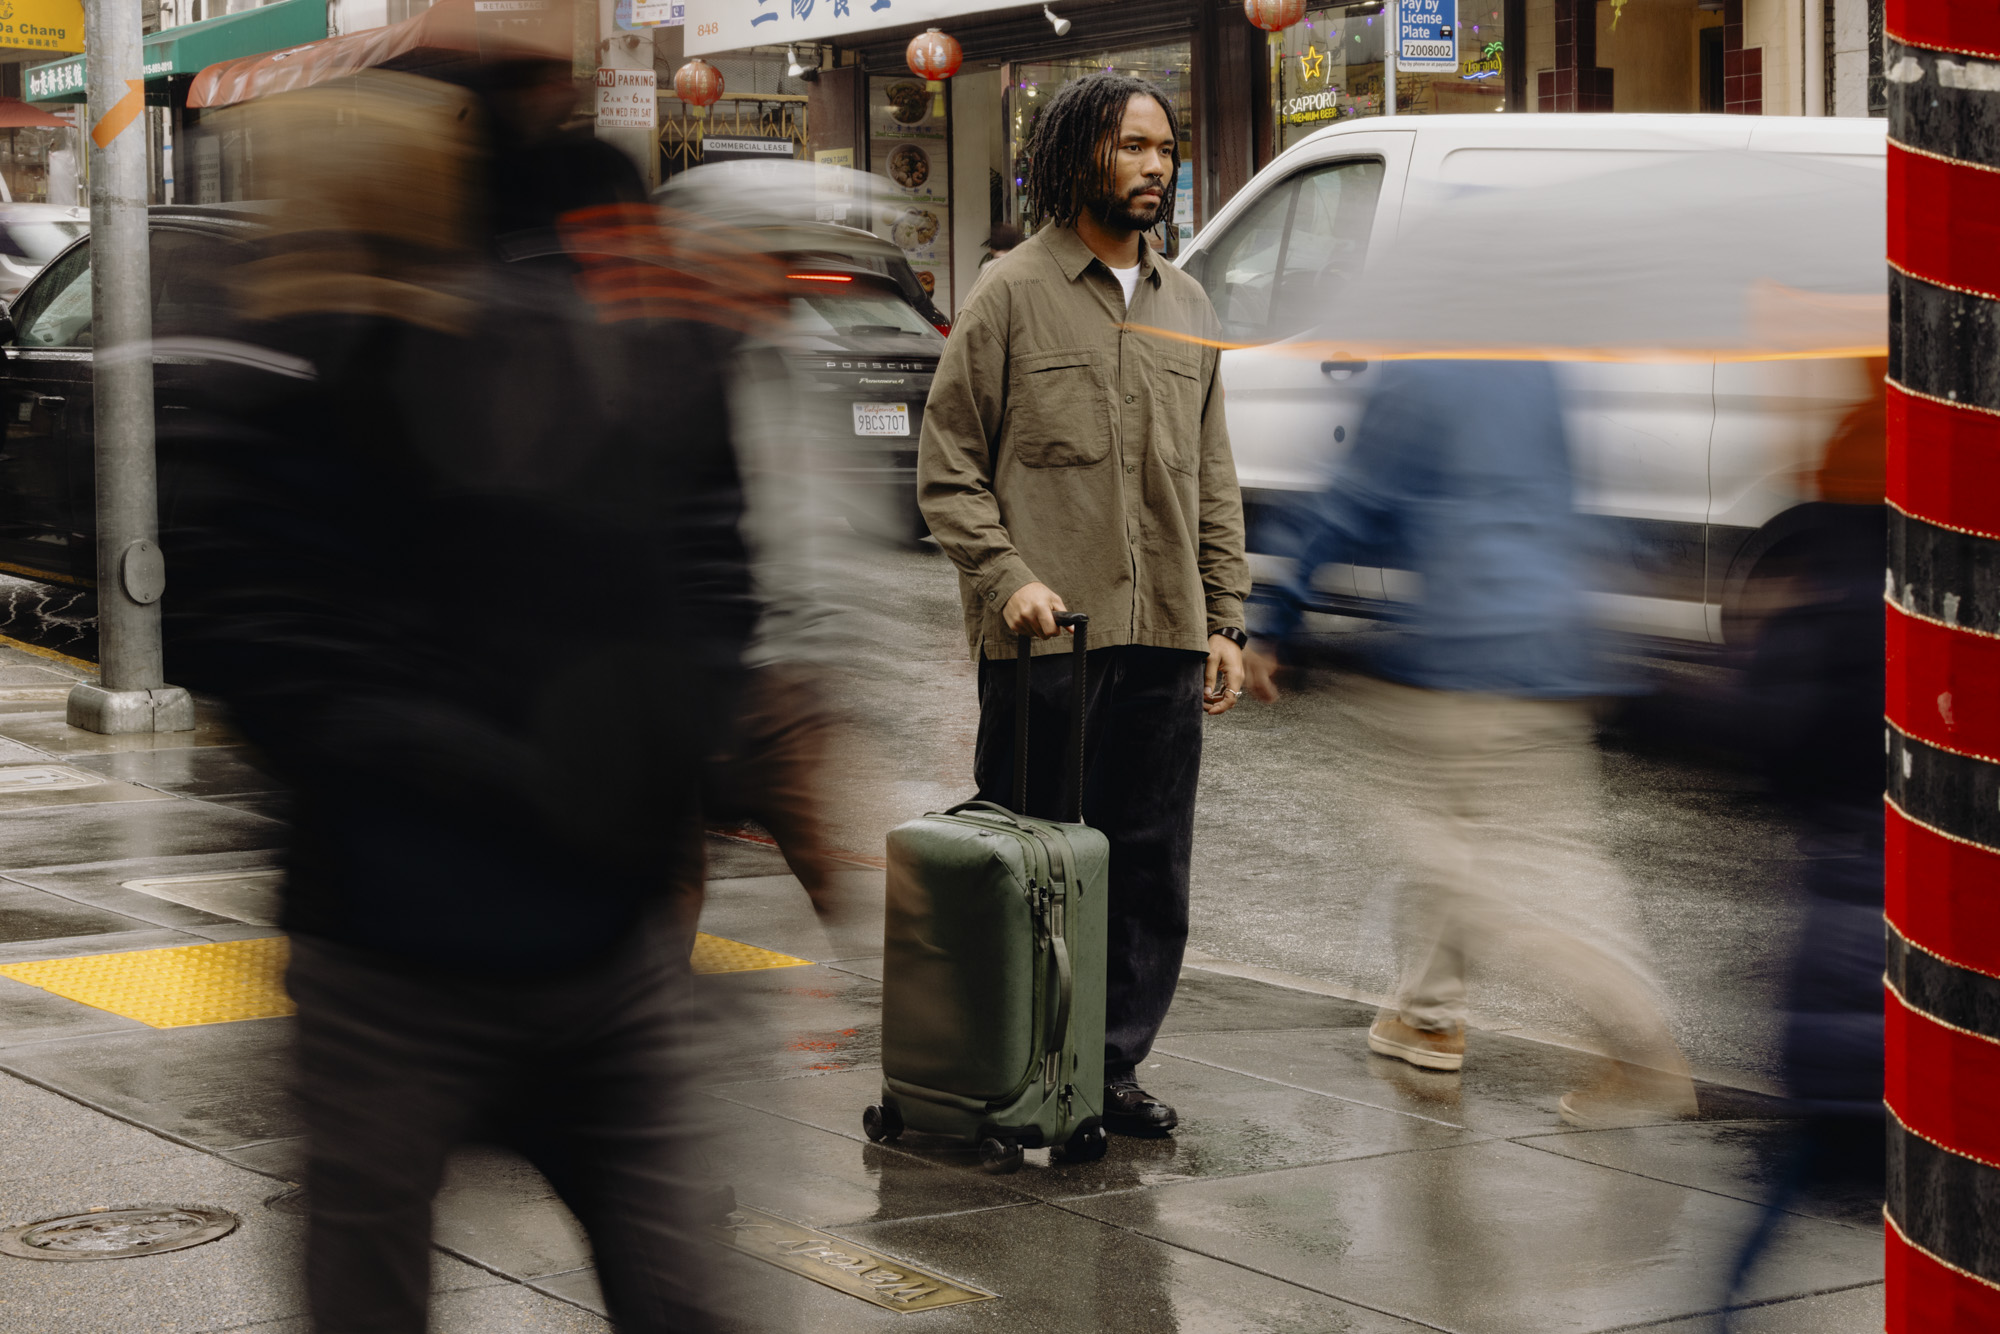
pixel 1061 25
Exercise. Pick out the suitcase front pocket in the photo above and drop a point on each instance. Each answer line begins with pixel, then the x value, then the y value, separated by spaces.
pixel 961 1009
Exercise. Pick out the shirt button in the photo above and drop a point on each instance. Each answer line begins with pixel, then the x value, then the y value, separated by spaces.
pixel 1131 398
pixel 1131 467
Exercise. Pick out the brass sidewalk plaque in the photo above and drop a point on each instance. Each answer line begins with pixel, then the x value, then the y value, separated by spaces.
pixel 842 1265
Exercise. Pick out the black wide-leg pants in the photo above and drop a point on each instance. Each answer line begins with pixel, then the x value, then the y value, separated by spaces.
pixel 585 1074
pixel 1142 760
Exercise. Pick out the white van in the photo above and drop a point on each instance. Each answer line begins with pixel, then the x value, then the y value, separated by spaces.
pixel 1698 469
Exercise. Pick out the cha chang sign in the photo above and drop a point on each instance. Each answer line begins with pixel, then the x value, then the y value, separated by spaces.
pixel 729 25
pixel 42 25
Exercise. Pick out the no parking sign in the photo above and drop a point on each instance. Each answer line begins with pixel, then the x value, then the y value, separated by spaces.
pixel 1427 36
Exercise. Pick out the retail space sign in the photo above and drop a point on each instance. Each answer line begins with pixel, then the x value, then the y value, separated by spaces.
pixel 729 25
pixel 42 25
pixel 627 99
pixel 746 148
pixel 1427 36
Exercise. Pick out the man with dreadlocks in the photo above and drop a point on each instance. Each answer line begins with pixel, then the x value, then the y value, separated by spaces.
pixel 1074 458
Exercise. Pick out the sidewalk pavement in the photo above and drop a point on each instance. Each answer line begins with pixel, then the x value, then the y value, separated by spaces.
pixel 1312 1187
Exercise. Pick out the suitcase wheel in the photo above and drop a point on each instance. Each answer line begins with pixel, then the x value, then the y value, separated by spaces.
pixel 1086 1145
pixel 1000 1157
pixel 882 1121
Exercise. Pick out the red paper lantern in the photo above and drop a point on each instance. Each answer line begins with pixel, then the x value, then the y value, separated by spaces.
pixel 698 84
pixel 936 55
pixel 1274 15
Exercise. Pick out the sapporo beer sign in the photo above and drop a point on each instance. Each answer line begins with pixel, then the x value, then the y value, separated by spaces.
pixel 1427 36
pixel 42 25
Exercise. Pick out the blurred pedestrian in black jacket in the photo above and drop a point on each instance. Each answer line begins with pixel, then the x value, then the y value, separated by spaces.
pixel 462 559
pixel 1814 709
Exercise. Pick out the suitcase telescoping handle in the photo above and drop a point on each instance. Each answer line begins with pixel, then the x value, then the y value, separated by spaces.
pixel 1073 759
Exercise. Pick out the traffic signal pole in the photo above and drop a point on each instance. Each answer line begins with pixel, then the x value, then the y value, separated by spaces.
pixel 1942 822
pixel 131 694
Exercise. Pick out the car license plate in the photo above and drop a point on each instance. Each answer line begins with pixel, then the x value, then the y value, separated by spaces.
pixel 881 418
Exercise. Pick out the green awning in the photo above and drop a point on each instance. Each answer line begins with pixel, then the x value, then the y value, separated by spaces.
pixel 191 48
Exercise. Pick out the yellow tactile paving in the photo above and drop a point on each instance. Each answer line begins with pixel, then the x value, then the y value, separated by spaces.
pixel 172 988
pixel 713 954
pixel 245 979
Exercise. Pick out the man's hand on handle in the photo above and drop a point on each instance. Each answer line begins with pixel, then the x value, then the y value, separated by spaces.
pixel 1032 611
pixel 1224 678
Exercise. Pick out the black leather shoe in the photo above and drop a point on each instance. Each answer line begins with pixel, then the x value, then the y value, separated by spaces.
pixel 1130 1110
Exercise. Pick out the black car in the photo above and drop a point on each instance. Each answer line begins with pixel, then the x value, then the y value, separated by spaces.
pixel 862 352
pixel 48 508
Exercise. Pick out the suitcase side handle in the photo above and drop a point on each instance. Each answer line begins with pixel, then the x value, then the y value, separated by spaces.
pixel 1065 988
pixel 1079 622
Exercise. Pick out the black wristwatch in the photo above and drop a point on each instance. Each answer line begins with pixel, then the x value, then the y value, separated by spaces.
pixel 1234 636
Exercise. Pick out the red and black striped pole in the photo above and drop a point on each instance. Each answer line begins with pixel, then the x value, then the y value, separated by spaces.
pixel 1942 59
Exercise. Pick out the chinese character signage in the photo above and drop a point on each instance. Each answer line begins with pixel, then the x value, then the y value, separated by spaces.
pixel 55 80
pixel 729 25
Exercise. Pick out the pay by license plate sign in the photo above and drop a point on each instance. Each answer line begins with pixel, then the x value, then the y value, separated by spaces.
pixel 881 418
pixel 1427 35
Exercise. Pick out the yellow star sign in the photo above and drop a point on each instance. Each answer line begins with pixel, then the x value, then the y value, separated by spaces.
pixel 1311 63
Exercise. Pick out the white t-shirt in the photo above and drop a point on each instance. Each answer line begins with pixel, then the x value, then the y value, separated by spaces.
pixel 1129 280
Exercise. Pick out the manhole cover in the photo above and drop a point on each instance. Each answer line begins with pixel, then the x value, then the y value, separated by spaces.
pixel 118 1234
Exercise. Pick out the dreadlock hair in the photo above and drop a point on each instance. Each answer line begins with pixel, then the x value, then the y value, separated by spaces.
pixel 1070 154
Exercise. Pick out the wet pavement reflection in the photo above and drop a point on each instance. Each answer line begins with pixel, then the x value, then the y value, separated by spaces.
pixel 1311 1187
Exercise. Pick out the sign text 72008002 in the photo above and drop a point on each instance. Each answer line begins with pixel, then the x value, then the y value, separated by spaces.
pixel 1427 36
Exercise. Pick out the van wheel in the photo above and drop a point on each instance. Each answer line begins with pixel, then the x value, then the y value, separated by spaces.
pixel 1780 580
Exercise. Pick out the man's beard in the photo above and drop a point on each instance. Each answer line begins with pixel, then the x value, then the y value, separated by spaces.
pixel 1129 214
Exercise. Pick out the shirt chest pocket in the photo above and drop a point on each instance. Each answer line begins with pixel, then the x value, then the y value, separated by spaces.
pixel 1058 415
pixel 1177 394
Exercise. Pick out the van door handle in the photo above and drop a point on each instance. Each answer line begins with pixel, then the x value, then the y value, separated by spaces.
pixel 52 402
pixel 1340 370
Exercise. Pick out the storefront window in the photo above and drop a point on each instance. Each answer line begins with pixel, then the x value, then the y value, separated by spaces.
pixel 24 161
pixel 909 150
pixel 1329 68
pixel 1030 85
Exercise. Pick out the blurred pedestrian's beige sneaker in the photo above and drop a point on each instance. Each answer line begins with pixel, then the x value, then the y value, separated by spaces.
pixel 1630 1095
pixel 1419 1046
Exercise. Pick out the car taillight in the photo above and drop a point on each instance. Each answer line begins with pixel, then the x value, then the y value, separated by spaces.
pixel 944 329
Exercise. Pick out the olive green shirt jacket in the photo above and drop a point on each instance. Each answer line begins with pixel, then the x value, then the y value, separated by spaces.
pixel 1070 441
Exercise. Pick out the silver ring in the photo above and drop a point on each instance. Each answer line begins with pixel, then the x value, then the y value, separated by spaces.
pixel 1237 693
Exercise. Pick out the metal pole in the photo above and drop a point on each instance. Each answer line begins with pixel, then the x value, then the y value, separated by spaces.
pixel 1814 15
pixel 1392 47
pixel 131 574
pixel 1941 829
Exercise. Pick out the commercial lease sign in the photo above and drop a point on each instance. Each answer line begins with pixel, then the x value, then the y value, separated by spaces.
pixel 1427 36
pixel 42 25
pixel 729 25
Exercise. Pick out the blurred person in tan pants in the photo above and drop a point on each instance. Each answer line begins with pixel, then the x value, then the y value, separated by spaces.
pixel 1475 719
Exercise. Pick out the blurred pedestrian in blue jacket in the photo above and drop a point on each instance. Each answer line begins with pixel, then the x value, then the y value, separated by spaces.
pixel 1477 716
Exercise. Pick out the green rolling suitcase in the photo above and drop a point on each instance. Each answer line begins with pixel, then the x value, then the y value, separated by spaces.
pixel 993 967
